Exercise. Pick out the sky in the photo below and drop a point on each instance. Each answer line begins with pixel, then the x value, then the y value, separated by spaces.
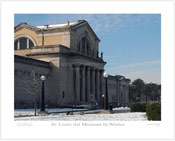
pixel 131 43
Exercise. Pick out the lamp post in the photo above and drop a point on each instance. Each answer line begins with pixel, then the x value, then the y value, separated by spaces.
pixel 103 100
pixel 106 90
pixel 42 95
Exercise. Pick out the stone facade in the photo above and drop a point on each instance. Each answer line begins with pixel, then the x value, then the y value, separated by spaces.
pixel 118 91
pixel 68 54
pixel 24 82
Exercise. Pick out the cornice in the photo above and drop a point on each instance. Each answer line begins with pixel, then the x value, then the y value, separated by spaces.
pixel 31 61
pixel 70 55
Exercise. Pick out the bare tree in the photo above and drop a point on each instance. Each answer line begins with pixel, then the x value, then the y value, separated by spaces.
pixel 32 85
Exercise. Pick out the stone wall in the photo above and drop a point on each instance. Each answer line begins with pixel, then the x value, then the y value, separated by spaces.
pixel 74 78
pixel 27 76
pixel 118 91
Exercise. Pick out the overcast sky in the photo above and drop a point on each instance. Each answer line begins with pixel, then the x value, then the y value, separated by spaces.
pixel 131 42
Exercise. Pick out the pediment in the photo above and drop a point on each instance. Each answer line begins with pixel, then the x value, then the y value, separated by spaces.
pixel 88 29
pixel 25 25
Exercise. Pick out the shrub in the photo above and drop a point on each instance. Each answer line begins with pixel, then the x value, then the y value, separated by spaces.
pixel 138 107
pixel 153 111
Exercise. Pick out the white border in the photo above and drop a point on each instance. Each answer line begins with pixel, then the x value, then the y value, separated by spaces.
pixel 44 130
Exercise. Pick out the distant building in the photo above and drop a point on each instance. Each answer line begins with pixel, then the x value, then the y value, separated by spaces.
pixel 118 88
pixel 68 55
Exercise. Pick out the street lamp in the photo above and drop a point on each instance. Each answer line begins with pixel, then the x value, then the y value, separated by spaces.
pixel 103 100
pixel 106 90
pixel 43 78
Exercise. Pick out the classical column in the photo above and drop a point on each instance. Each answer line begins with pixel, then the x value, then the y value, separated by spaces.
pixel 124 95
pixel 77 83
pixel 70 82
pixel 119 96
pixel 27 43
pixel 95 71
pixel 83 83
pixel 18 44
pixel 128 102
pixel 87 97
pixel 80 83
pixel 74 82
pixel 98 84
pixel 118 92
pixel 93 83
pixel 101 84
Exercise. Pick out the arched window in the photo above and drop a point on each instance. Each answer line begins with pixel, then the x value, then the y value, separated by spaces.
pixel 84 46
pixel 88 48
pixel 16 45
pixel 23 43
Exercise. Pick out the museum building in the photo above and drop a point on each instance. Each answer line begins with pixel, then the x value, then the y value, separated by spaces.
pixel 68 56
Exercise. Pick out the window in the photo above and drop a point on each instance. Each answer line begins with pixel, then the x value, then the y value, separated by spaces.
pixel 79 46
pixel 88 48
pixel 30 43
pixel 84 46
pixel 23 43
pixel 16 45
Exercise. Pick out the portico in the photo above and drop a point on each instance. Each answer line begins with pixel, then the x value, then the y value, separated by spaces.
pixel 87 83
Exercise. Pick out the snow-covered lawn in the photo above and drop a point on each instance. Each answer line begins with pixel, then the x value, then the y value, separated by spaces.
pixel 30 112
pixel 119 114
pixel 88 117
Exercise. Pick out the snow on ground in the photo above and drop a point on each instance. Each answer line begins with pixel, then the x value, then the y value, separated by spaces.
pixel 119 114
pixel 30 112
pixel 121 110
pixel 87 117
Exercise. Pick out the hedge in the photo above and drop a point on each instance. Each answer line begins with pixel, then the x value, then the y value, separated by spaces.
pixel 138 107
pixel 153 111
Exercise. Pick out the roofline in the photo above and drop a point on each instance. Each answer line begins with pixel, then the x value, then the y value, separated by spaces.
pixel 84 21
pixel 32 61
pixel 115 76
pixel 21 25
pixel 68 27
